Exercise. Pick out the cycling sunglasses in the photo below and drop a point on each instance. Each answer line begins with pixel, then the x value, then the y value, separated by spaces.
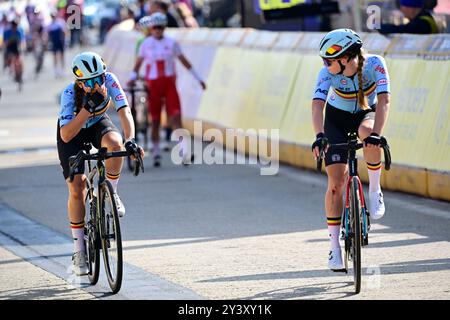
pixel 158 27
pixel 90 83
pixel 327 62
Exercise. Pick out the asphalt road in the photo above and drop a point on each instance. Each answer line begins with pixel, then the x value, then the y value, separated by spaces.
pixel 199 232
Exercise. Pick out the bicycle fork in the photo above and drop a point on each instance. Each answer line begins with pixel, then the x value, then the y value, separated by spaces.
pixel 365 219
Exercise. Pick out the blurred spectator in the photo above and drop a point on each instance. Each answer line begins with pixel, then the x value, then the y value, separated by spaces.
pixel 29 11
pixel 184 9
pixel 143 10
pixel 420 19
pixel 61 6
pixel 187 3
pixel 110 16
pixel 57 32
pixel 14 43
pixel 36 23
pixel 430 4
pixel 163 7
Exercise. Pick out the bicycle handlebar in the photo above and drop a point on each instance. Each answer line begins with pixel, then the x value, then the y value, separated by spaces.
pixel 82 155
pixel 355 146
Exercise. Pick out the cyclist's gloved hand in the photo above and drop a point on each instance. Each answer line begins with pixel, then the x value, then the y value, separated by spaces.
pixel 131 147
pixel 373 139
pixel 321 142
pixel 95 102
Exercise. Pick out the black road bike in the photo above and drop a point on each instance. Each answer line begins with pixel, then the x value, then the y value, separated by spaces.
pixel 356 221
pixel 102 226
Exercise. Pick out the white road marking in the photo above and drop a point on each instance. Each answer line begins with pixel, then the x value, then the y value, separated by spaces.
pixel 52 251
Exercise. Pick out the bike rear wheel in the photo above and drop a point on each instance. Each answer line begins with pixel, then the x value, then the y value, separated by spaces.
pixel 111 238
pixel 355 225
pixel 91 238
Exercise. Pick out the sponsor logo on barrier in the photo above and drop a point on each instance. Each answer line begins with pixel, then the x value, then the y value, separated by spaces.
pixel 261 145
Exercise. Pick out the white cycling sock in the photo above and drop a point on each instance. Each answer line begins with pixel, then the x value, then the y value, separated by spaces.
pixel 374 171
pixel 334 226
pixel 114 179
pixel 78 236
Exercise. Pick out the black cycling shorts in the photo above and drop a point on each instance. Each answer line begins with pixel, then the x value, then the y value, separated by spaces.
pixel 338 124
pixel 93 134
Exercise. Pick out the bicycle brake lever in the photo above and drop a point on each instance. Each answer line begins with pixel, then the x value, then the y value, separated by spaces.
pixel 387 153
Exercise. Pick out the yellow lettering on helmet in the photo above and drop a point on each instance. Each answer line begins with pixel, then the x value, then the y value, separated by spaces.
pixel 278 4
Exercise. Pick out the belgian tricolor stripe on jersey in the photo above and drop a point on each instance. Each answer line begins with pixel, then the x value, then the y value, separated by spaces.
pixel 352 95
pixel 103 110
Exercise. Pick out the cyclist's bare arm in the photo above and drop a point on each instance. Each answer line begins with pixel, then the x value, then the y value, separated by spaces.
pixel 185 62
pixel 317 118
pixel 138 64
pixel 382 112
pixel 126 121
pixel 70 130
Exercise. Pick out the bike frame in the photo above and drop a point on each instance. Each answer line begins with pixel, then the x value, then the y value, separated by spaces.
pixel 100 169
pixel 353 174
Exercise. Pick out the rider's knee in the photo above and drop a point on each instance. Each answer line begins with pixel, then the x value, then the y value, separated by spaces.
pixel 76 188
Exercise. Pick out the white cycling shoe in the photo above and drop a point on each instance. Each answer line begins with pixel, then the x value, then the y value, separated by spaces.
pixel 376 205
pixel 335 260
pixel 80 267
pixel 120 206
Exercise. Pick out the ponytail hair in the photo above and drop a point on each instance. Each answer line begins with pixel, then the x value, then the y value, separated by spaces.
pixel 79 95
pixel 362 99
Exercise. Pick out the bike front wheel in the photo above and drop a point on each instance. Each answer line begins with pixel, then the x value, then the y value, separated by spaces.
pixel 355 225
pixel 91 238
pixel 111 237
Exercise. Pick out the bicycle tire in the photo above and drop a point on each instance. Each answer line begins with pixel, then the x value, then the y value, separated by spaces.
pixel 114 277
pixel 355 223
pixel 92 240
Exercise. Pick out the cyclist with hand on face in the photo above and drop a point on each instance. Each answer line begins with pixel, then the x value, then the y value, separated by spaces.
pixel 83 119
pixel 158 52
pixel 358 102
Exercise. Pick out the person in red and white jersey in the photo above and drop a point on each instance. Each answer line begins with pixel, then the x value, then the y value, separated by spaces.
pixel 158 53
